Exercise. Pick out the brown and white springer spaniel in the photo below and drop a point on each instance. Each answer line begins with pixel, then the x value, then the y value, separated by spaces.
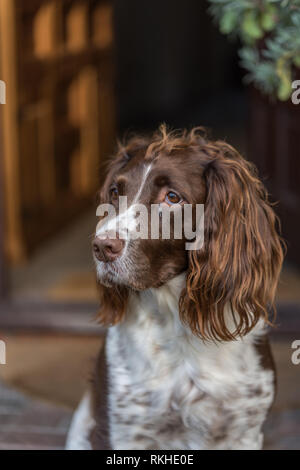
pixel 186 363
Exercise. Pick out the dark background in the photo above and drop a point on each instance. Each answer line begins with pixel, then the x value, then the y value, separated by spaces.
pixel 174 66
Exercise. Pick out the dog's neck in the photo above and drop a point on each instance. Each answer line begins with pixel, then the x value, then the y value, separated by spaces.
pixel 160 305
pixel 159 308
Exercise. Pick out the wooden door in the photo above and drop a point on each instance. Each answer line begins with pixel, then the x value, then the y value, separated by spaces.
pixel 59 71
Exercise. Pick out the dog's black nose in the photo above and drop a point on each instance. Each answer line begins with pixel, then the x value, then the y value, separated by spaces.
pixel 108 249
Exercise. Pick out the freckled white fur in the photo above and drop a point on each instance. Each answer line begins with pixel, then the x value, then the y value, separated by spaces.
pixel 81 426
pixel 170 390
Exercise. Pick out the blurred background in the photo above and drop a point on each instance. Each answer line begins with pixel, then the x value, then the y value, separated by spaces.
pixel 79 74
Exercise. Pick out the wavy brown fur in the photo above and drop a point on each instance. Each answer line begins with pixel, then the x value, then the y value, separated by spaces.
pixel 240 263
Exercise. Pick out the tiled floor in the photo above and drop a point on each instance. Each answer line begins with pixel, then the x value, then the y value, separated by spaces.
pixel 27 424
pixel 42 382
pixel 282 429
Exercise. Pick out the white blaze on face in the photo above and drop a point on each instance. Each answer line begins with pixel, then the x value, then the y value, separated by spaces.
pixel 125 222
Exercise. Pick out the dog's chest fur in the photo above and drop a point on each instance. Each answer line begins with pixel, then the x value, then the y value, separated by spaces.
pixel 169 390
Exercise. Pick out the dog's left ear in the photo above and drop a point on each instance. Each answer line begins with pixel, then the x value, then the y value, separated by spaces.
pixel 231 281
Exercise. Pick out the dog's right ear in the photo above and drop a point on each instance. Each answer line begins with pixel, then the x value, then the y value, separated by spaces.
pixel 113 305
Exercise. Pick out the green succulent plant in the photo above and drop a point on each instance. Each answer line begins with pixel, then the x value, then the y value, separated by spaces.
pixel 269 31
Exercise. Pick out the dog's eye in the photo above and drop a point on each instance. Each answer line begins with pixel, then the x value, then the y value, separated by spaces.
pixel 114 193
pixel 172 198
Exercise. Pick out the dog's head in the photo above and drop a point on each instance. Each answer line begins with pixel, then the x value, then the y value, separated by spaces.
pixel 240 260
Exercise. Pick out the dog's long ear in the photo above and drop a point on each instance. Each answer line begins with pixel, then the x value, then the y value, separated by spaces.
pixel 238 267
pixel 113 304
